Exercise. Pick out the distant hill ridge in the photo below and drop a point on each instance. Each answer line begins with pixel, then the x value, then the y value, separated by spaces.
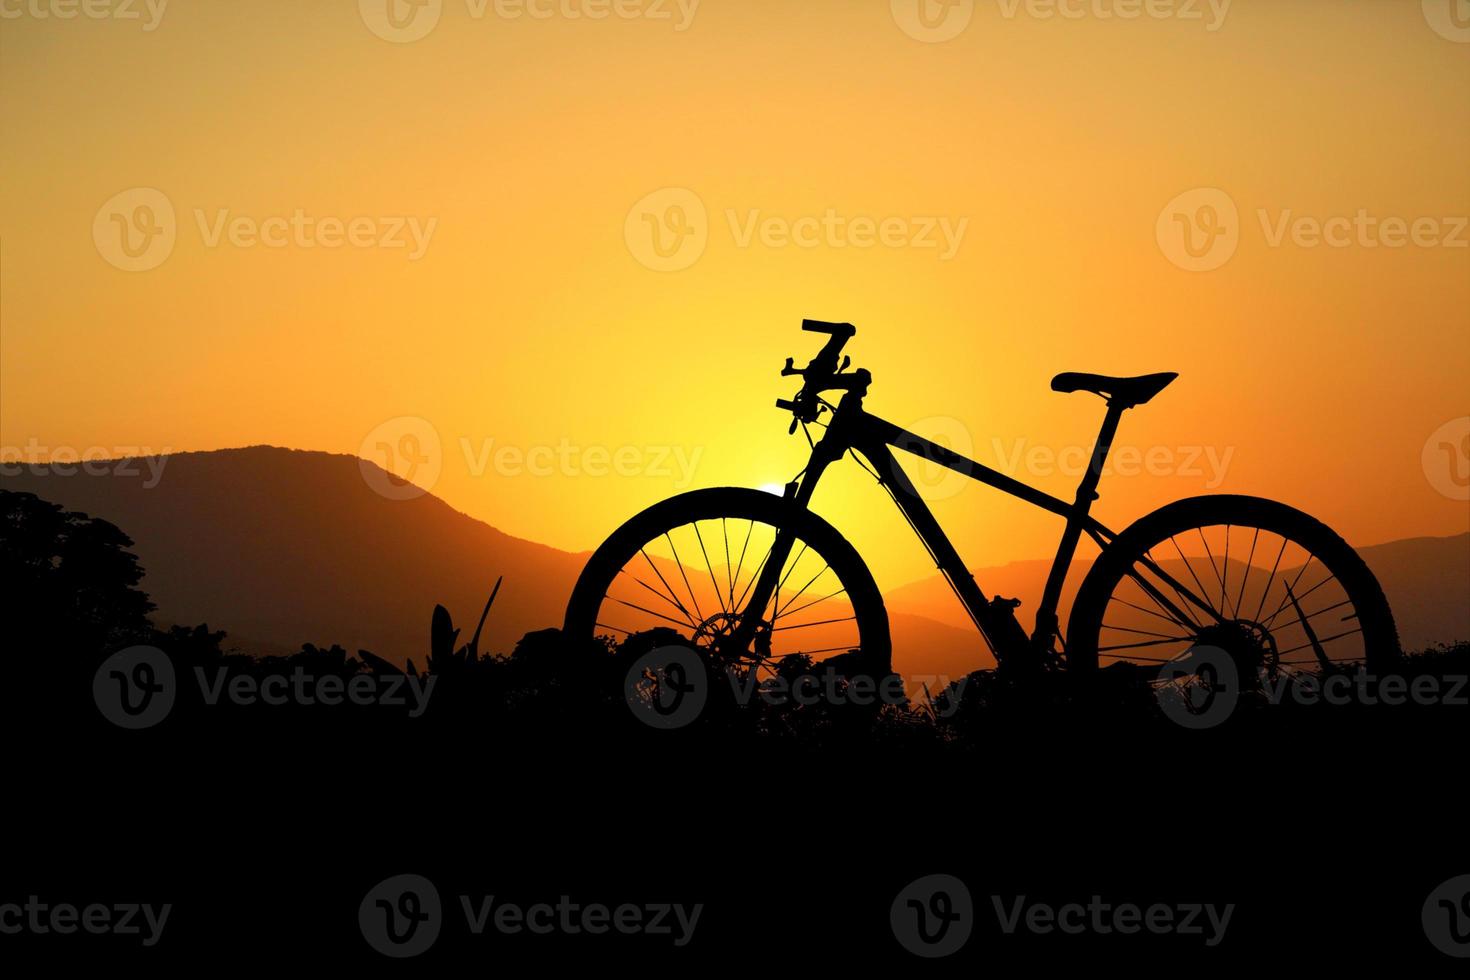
pixel 284 546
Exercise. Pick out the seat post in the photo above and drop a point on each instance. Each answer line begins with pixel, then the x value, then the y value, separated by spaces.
pixel 1087 489
pixel 1046 613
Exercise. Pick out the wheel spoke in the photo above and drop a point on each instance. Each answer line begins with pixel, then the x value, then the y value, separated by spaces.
pixel 1124 629
pixel 671 597
pixel 710 568
pixel 1325 641
pixel 1247 574
pixel 1267 590
pixel 661 596
pixel 1209 554
pixel 814 602
pixel 1330 578
pixel 634 605
pixel 1145 643
pixel 684 576
pixel 1149 612
pixel 735 606
pixel 808 585
pixel 819 622
pixel 1190 567
pixel 725 532
pixel 1302 619
pixel 1151 590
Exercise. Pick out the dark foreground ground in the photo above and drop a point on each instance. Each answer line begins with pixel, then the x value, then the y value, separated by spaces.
pixel 143 767
pixel 267 828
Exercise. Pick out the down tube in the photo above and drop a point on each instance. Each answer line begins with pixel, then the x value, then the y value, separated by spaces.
pixel 1003 637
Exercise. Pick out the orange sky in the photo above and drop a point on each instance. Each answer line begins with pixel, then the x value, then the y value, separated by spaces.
pixel 526 318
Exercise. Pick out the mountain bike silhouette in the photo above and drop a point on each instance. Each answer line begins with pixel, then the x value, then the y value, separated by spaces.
pixel 1275 589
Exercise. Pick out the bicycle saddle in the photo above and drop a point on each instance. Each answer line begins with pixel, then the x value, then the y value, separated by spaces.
pixel 1124 392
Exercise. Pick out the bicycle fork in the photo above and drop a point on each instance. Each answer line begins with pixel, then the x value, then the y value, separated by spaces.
pixel 797 497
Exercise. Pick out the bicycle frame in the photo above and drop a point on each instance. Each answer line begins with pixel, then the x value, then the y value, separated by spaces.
pixel 853 429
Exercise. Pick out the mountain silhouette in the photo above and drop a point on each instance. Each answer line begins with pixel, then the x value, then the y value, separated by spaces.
pixel 281 546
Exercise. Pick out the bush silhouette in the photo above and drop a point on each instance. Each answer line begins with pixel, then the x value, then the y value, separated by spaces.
pixel 74 598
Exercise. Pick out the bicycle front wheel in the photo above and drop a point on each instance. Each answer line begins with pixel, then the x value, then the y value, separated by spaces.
pixel 688 564
pixel 1276 589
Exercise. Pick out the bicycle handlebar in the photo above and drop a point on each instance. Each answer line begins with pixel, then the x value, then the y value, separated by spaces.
pixel 822 326
pixel 822 371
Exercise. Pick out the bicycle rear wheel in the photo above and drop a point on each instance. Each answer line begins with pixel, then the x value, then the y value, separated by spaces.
pixel 1278 590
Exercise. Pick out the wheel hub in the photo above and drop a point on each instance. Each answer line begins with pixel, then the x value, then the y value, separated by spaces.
pixel 714 633
pixel 1248 643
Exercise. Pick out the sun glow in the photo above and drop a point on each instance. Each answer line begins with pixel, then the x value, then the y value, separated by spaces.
pixel 557 377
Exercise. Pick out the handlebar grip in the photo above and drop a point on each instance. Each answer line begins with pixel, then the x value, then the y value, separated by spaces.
pixel 789 406
pixel 822 326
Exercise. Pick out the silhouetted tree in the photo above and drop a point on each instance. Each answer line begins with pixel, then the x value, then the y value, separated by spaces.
pixel 71 584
